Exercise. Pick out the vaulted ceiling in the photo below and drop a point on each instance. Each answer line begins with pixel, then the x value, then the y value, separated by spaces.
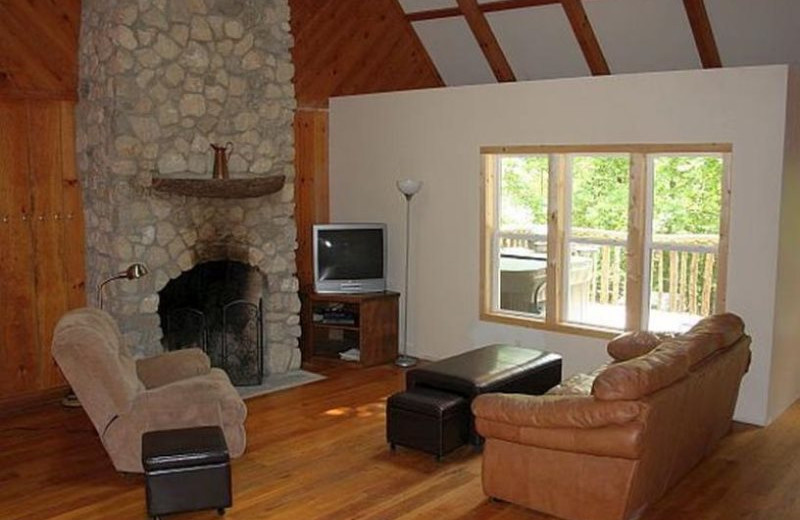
pixel 483 41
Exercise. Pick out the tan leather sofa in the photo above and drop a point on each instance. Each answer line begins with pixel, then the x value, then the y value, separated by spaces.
pixel 607 445
pixel 125 398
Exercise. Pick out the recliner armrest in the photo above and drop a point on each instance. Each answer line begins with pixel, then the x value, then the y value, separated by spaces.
pixel 212 389
pixel 172 366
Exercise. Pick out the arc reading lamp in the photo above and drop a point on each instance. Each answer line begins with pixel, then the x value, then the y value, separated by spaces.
pixel 133 272
pixel 408 188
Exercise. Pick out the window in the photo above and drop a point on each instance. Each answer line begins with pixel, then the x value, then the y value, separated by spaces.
pixel 602 239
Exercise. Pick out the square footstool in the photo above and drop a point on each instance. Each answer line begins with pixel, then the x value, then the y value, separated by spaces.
pixel 428 420
pixel 493 368
pixel 186 470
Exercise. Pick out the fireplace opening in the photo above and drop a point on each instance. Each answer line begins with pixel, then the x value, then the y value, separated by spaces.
pixel 218 307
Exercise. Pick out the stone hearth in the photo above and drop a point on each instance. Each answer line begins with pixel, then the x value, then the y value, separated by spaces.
pixel 160 81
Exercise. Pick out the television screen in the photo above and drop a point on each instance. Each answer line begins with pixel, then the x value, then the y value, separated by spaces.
pixel 350 254
pixel 349 257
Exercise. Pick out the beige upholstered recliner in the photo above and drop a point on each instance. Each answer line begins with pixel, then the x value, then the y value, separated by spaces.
pixel 125 398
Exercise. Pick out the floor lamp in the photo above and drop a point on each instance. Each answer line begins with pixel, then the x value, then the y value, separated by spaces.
pixel 133 272
pixel 408 188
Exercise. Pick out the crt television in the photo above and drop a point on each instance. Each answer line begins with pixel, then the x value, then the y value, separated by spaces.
pixel 349 258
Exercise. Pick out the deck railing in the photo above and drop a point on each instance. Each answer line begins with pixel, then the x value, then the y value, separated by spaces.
pixel 682 269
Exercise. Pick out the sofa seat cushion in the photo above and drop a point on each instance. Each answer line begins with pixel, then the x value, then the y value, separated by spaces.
pixel 641 376
pixel 578 384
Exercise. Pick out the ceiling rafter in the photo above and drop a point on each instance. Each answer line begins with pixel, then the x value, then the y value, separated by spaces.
pixel 703 34
pixel 487 41
pixel 490 7
pixel 586 37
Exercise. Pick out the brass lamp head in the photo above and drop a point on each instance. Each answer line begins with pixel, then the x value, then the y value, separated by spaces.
pixel 135 271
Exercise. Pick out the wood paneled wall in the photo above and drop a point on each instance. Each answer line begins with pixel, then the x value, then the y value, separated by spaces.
pixel 39 48
pixel 41 213
pixel 343 47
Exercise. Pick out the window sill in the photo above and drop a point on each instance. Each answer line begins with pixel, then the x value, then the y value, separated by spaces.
pixel 532 323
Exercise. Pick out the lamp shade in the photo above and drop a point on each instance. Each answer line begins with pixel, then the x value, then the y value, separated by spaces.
pixel 409 187
pixel 135 271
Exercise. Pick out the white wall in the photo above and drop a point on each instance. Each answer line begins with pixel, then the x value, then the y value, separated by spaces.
pixel 785 380
pixel 435 136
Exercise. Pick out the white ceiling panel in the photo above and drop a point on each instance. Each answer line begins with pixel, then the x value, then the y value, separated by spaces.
pixel 454 51
pixel 750 32
pixel 412 6
pixel 644 35
pixel 539 43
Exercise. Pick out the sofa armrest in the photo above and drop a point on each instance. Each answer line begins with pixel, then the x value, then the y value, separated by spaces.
pixel 172 366
pixel 578 424
pixel 555 411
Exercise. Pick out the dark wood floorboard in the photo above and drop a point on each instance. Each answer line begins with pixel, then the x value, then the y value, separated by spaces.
pixel 319 452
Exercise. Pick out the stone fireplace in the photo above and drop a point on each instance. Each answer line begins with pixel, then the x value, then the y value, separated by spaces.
pixel 160 81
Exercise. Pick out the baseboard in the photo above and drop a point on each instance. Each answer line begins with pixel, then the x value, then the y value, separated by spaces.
pixel 27 401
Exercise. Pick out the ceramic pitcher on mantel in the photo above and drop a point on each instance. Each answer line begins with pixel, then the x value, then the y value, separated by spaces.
pixel 221 155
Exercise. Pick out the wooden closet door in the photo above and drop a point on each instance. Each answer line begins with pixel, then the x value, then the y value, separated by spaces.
pixel 42 239
pixel 19 342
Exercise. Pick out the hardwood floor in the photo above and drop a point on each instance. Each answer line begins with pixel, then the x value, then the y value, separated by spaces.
pixel 318 452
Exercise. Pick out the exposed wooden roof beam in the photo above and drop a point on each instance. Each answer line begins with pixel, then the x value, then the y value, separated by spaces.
pixel 488 43
pixel 434 14
pixel 703 34
pixel 586 37
pixel 500 5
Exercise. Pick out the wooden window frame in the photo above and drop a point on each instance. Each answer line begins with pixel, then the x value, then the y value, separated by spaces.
pixel 639 242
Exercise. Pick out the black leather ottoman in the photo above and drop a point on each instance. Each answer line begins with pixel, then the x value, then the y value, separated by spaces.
pixel 429 420
pixel 493 368
pixel 186 470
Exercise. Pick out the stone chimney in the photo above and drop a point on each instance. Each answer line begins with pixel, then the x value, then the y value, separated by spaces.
pixel 159 81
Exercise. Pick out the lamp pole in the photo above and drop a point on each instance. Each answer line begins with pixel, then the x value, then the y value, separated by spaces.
pixel 408 188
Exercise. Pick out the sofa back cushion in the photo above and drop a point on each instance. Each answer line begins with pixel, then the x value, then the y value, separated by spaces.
pixel 632 344
pixel 711 334
pixel 642 375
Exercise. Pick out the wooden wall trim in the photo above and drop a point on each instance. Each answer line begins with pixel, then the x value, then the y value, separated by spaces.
pixel 703 34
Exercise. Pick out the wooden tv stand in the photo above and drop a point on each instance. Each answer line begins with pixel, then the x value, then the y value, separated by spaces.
pixel 335 323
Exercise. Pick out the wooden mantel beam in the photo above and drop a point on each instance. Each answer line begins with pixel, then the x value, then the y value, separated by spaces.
pixel 486 40
pixel 703 34
pixel 586 37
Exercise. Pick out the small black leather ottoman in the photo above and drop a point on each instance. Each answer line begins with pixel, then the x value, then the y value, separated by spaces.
pixel 493 368
pixel 429 420
pixel 186 470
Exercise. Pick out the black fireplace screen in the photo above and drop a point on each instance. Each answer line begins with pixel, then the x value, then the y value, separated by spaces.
pixel 218 307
